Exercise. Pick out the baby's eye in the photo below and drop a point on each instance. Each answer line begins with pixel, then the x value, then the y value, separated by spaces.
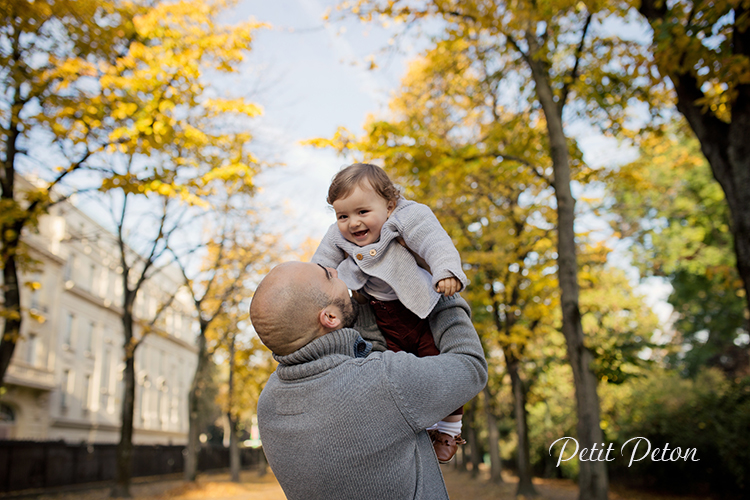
pixel 342 217
pixel 363 212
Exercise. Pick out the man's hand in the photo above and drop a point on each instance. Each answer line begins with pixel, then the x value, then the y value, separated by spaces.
pixel 448 286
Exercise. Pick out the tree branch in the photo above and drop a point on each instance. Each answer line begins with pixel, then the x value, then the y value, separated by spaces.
pixel 574 70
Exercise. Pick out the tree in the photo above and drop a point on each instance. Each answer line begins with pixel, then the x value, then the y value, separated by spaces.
pixel 557 60
pixel 82 80
pixel 703 50
pixel 49 52
pixel 444 145
pixel 617 321
pixel 237 251
pixel 618 326
pixel 136 271
pixel 175 146
pixel 250 365
pixel 674 212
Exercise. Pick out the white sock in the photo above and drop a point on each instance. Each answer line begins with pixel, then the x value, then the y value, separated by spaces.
pixel 451 428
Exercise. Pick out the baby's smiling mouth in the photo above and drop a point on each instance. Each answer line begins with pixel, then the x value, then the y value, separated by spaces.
pixel 360 234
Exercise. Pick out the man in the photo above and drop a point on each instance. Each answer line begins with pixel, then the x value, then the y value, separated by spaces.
pixel 338 421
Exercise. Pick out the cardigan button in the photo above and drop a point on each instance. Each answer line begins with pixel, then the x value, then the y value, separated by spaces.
pixel 359 256
pixel 373 252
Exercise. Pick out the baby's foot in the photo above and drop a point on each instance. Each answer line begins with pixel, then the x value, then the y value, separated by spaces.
pixel 445 445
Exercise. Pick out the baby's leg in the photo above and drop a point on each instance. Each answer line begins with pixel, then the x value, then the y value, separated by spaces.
pixel 403 330
pixel 450 425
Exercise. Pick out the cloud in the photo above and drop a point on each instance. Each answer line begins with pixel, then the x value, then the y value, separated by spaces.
pixel 369 83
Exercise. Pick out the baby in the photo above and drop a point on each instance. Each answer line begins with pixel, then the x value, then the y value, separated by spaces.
pixel 378 244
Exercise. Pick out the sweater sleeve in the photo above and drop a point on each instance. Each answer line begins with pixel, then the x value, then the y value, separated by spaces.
pixel 425 236
pixel 430 388
pixel 328 254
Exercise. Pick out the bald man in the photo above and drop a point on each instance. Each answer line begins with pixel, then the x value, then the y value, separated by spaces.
pixel 340 421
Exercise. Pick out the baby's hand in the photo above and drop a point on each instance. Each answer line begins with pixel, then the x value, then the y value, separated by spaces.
pixel 448 286
pixel 359 297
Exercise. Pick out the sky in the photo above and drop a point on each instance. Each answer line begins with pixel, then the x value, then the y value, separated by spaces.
pixel 311 78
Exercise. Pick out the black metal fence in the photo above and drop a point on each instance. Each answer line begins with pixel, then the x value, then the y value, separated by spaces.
pixel 47 464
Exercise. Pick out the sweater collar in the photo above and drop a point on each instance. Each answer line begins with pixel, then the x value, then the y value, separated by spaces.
pixel 322 354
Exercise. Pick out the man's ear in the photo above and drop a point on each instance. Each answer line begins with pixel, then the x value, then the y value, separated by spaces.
pixel 330 318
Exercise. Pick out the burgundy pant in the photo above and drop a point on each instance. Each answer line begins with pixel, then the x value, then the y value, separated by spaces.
pixel 405 331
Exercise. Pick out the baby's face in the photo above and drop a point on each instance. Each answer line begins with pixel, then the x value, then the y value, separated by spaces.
pixel 361 215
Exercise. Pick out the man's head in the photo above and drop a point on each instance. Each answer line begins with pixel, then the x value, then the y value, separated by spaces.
pixel 298 302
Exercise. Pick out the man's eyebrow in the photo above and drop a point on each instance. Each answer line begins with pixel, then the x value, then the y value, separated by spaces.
pixel 328 275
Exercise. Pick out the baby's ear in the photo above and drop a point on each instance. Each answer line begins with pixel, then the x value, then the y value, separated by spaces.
pixel 391 206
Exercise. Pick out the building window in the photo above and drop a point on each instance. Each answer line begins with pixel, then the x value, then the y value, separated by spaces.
pixel 161 403
pixel 35 282
pixel 118 285
pixel 175 410
pixel 31 349
pixel 7 415
pixel 169 321
pixel 7 421
pixel 144 399
pixel 90 278
pixel 106 377
pixel 70 267
pixel 86 393
pixel 66 389
pixel 68 329
pixel 104 283
pixel 88 335
pixel 177 324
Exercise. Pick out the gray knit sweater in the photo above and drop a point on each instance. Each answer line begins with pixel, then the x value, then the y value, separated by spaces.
pixel 391 262
pixel 337 425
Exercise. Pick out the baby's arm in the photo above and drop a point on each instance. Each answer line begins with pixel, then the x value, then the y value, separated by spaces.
pixel 328 254
pixel 423 235
pixel 446 286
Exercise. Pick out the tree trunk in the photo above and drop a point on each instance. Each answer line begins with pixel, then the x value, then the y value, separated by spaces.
pixel 725 145
pixel 191 459
pixel 473 441
pixel 121 489
pixel 10 236
pixel 494 439
pixel 461 460
pixel 592 480
pixel 739 206
pixel 262 464
pixel 12 304
pixel 234 448
pixel 525 486
pixel 727 149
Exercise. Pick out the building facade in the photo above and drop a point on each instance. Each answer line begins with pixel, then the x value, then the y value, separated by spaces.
pixel 65 379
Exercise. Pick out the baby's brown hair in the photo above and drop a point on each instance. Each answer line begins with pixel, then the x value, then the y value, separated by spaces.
pixel 355 175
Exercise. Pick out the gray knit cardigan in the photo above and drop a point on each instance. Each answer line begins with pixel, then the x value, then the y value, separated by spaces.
pixel 391 262
pixel 336 425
